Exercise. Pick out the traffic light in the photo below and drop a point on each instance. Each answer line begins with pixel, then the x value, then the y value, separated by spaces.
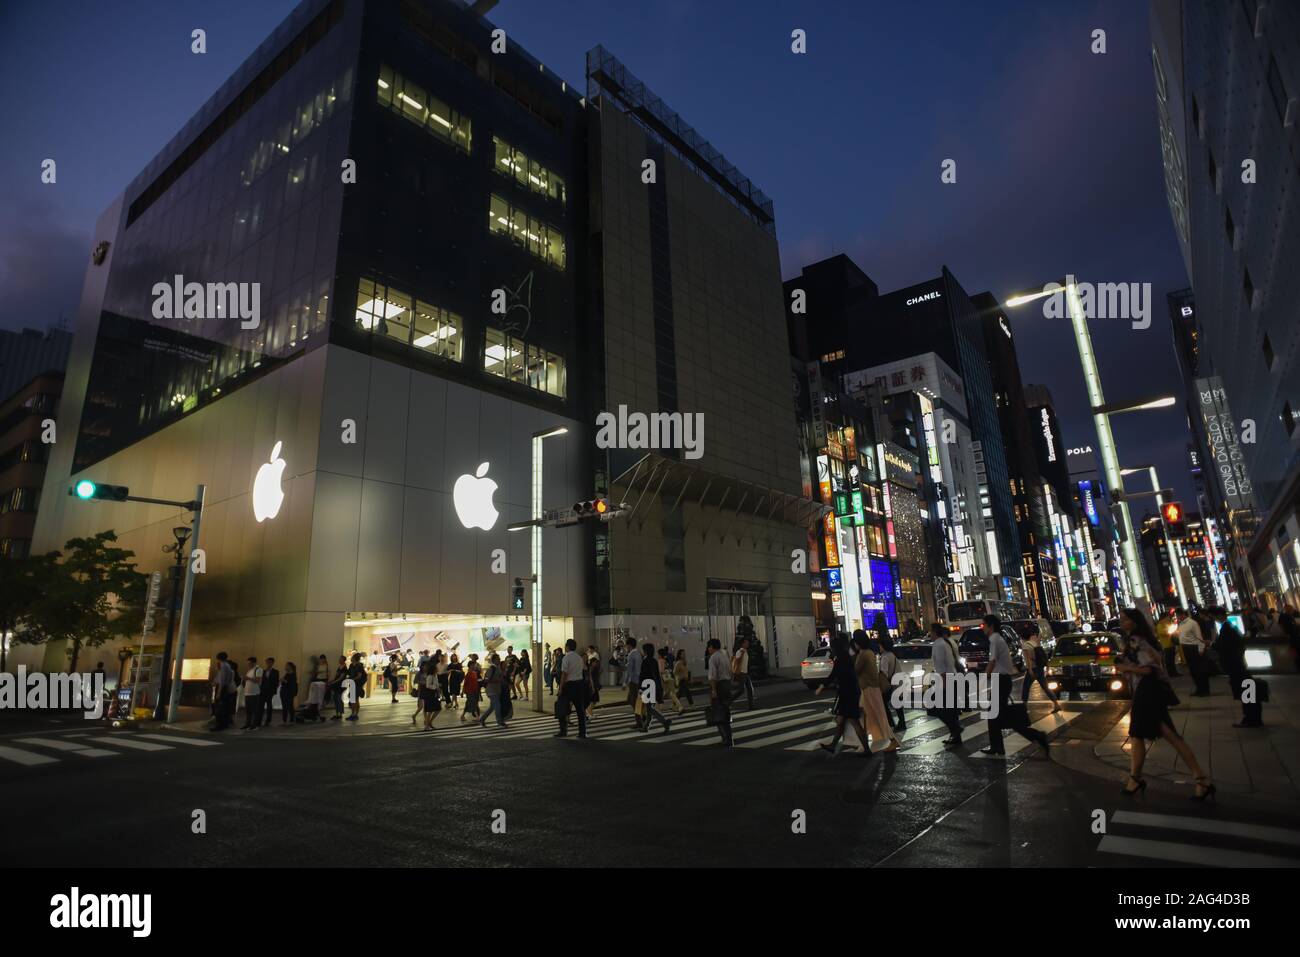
pixel 1172 512
pixel 517 595
pixel 86 490
pixel 593 508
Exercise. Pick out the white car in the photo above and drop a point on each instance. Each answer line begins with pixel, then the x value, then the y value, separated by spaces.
pixel 816 668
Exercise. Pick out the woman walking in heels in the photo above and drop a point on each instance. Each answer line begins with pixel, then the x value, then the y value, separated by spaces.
pixel 1144 663
pixel 848 697
pixel 866 667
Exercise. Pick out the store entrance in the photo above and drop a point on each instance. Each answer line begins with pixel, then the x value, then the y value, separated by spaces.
pixel 377 636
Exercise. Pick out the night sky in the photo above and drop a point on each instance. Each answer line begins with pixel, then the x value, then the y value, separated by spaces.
pixel 1058 158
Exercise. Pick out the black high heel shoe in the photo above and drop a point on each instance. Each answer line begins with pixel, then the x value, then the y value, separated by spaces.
pixel 1140 785
pixel 1205 788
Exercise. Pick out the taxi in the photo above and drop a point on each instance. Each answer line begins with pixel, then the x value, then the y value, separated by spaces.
pixel 1085 661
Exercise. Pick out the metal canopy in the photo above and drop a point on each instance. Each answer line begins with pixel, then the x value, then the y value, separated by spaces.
pixel 722 498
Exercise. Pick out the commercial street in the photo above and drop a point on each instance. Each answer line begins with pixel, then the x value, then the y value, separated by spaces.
pixel 397 797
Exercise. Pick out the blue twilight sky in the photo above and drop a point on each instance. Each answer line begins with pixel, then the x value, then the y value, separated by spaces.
pixel 1058 159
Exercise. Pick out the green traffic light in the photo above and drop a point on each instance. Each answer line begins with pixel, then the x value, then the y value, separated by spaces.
pixel 85 489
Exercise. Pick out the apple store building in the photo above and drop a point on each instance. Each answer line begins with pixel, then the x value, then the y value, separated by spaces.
pixel 319 351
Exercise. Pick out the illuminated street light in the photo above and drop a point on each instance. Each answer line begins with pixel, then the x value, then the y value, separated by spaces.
pixel 1154 402
pixel 1169 545
pixel 1096 401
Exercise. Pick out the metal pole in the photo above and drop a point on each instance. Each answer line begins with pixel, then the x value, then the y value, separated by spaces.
pixel 538 647
pixel 186 604
pixel 1169 545
pixel 173 607
pixel 1105 440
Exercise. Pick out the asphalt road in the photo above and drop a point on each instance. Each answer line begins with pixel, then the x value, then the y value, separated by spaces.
pixel 88 797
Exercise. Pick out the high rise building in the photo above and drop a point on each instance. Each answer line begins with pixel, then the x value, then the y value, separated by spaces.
pixel 26 354
pixel 358 284
pixel 1227 78
pixel 1033 524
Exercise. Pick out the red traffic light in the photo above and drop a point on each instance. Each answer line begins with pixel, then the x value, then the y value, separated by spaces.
pixel 1173 512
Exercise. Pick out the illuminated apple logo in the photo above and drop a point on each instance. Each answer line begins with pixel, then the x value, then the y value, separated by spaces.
pixel 472 496
pixel 267 494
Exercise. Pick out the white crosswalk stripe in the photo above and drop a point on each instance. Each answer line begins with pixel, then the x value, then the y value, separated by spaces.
pixel 91 745
pixel 1157 837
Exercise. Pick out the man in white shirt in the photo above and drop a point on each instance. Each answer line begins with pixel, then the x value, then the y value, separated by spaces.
pixel 1002 671
pixel 572 695
pixel 943 662
pixel 1189 638
pixel 252 696
pixel 719 673
pixel 634 680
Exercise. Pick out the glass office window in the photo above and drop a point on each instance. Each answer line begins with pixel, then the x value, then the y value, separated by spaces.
pixel 423 108
pixel 438 331
pixel 543 241
pixel 528 173
pixel 529 365
pixel 396 315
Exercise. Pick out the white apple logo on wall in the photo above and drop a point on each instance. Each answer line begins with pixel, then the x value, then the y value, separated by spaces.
pixel 267 494
pixel 472 496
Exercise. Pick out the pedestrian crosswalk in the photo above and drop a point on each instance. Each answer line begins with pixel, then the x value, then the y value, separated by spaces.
pixel 38 750
pixel 797 727
pixel 1165 839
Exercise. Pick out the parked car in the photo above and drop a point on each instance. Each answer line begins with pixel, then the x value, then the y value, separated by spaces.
pixel 815 669
pixel 1085 661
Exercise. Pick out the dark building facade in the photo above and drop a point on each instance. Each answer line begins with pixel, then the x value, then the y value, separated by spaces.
pixel 26 354
pixel 27 433
pixel 938 316
pixel 1227 79
pixel 412 250
pixel 1033 525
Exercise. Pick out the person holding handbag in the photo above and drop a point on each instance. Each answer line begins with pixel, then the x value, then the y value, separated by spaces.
pixel 1153 696
pixel 848 697
pixel 650 674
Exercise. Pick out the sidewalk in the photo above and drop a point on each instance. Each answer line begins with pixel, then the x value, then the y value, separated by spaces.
pixel 1263 762
pixel 380 716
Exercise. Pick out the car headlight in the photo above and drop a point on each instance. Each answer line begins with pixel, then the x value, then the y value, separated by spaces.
pixel 1107 669
pixel 1053 671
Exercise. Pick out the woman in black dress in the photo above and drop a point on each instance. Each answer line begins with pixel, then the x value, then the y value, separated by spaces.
pixel 847 696
pixel 1144 663
pixel 455 675
pixel 430 691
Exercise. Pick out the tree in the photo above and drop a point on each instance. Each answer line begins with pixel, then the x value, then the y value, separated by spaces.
pixel 22 581
pixel 96 596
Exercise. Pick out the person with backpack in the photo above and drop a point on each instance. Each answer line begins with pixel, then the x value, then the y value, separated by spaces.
pixel 390 676
pixel 471 688
pixel 945 661
pixel 1036 670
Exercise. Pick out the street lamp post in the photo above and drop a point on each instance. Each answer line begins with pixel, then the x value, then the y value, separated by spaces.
pixel 187 603
pixel 538 647
pixel 181 534
pixel 1100 418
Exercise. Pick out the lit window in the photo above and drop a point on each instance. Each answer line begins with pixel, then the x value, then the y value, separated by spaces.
pixel 529 173
pixel 395 314
pixel 423 108
pixel 543 241
pixel 526 364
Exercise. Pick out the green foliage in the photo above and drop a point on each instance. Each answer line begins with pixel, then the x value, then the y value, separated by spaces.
pixel 22 582
pixel 91 594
